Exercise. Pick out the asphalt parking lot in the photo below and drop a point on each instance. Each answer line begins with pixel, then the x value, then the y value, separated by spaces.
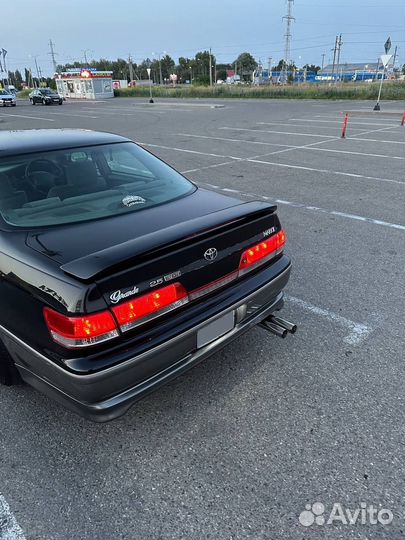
pixel 238 447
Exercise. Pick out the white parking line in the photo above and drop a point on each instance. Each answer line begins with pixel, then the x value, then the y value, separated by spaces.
pixel 310 208
pixel 293 147
pixel 9 528
pixel 319 136
pixel 288 124
pixel 340 122
pixel 118 111
pixel 72 114
pixel 326 171
pixel 357 332
pixel 188 151
pixel 31 117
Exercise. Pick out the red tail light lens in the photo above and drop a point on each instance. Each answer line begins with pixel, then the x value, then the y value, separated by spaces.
pixel 149 306
pixel 74 332
pixel 261 253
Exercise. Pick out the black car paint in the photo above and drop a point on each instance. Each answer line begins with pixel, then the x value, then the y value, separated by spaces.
pixel 38 96
pixel 74 269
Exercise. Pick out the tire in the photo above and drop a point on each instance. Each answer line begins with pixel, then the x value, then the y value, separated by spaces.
pixel 61 102
pixel 9 375
pixel 32 101
pixel 14 104
pixel 43 102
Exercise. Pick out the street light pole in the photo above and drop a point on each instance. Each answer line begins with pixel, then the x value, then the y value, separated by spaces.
pixel 150 87
pixel 385 58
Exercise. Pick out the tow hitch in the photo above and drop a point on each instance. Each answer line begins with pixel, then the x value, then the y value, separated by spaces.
pixel 278 326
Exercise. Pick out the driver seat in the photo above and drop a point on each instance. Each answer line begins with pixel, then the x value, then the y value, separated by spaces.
pixel 81 179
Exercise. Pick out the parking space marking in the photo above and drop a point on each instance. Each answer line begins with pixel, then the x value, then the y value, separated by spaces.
pixel 190 151
pixel 72 114
pixel 325 171
pixel 309 208
pixel 288 124
pixel 357 332
pixel 254 159
pixel 351 121
pixel 123 112
pixel 9 528
pixel 30 117
pixel 311 146
pixel 318 135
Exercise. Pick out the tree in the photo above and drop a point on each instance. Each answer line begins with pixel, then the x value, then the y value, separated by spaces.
pixel 312 68
pixel 201 66
pixel 246 64
pixel 403 69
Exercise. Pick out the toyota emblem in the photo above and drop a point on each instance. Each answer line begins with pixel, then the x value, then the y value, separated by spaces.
pixel 210 254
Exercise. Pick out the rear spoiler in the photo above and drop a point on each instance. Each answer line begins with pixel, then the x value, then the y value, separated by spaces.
pixel 88 267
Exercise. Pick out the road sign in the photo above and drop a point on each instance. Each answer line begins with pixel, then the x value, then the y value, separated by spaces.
pixel 385 58
pixel 387 45
pixel 148 71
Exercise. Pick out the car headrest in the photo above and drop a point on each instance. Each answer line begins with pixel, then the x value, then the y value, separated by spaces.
pixel 81 173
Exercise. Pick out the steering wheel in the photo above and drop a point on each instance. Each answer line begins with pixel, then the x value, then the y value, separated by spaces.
pixel 43 165
pixel 41 174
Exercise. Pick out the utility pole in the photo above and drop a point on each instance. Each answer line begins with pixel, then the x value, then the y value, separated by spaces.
pixel 53 54
pixel 131 69
pixel 37 68
pixel 160 70
pixel 334 56
pixel 395 58
pixel 323 60
pixel 210 68
pixel 339 44
pixel 287 47
pixel 270 62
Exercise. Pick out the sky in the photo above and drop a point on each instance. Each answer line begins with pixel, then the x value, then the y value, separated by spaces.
pixel 109 29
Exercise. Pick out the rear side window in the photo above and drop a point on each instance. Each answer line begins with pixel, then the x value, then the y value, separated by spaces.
pixel 82 184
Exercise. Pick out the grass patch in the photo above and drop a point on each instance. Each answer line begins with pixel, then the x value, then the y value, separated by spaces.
pixel 391 90
pixel 23 94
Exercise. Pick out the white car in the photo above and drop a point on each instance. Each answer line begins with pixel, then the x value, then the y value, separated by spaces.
pixel 7 98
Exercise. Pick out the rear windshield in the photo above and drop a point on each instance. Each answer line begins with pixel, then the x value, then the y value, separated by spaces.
pixel 82 184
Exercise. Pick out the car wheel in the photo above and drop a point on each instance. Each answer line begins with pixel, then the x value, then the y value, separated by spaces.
pixel 32 102
pixel 9 375
pixel 43 102
pixel 13 104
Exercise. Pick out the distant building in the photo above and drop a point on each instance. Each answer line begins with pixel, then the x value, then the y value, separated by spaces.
pixel 350 72
pixel 85 83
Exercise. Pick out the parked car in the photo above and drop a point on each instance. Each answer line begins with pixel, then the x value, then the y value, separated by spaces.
pixel 118 273
pixel 46 96
pixel 7 98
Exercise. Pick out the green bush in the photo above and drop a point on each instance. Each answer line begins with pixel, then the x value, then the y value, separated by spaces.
pixel 391 90
pixel 24 93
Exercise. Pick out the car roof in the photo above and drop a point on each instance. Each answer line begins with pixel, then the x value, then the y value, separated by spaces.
pixel 17 142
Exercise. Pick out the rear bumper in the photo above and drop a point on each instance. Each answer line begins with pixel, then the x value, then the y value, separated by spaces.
pixel 109 393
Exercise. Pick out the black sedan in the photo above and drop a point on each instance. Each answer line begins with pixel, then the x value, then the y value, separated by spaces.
pixel 118 274
pixel 46 96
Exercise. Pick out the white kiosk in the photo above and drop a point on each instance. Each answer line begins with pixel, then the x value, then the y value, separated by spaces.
pixel 88 83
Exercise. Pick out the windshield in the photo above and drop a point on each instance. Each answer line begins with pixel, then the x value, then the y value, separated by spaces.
pixel 81 184
pixel 4 93
pixel 46 92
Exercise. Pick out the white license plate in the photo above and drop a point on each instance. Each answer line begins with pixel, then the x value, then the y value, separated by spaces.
pixel 215 329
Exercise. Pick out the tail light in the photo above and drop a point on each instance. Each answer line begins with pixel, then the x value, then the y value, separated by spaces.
pixel 261 253
pixel 74 332
pixel 149 306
